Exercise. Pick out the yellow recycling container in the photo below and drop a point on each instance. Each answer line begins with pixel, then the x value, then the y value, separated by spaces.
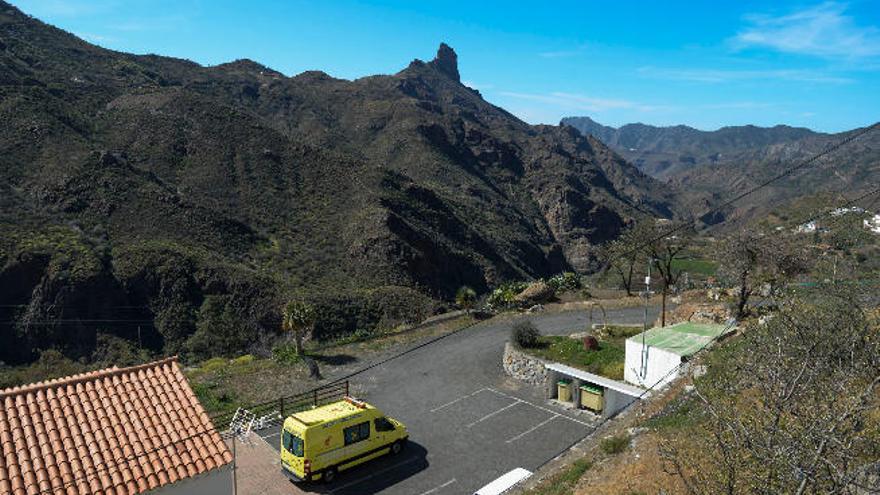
pixel 564 390
pixel 591 398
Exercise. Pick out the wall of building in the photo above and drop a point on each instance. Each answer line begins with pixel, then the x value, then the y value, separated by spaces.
pixel 215 482
pixel 615 402
pixel 660 363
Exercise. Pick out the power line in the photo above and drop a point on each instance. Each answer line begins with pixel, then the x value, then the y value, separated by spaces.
pixel 669 232
pixel 717 209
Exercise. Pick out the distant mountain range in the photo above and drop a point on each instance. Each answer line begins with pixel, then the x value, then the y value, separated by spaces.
pixel 712 166
pixel 202 196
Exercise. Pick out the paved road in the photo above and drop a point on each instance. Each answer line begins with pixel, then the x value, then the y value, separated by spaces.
pixel 469 423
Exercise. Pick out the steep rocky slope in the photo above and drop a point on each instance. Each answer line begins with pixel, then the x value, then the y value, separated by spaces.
pixel 666 151
pixel 718 165
pixel 151 198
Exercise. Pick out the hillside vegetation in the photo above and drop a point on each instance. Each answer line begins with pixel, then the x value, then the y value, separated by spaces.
pixel 710 167
pixel 152 203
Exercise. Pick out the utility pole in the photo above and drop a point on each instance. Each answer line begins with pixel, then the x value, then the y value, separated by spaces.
pixel 643 372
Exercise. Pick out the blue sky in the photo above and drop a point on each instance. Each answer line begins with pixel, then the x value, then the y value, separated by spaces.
pixel 706 64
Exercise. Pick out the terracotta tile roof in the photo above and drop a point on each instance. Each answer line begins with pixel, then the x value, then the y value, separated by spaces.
pixel 114 431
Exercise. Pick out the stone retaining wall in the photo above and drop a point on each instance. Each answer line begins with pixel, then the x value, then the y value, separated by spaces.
pixel 523 366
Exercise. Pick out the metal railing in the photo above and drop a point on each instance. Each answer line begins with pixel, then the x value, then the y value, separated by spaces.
pixel 287 405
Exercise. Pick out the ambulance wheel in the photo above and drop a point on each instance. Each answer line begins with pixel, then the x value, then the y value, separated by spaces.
pixel 329 475
pixel 396 447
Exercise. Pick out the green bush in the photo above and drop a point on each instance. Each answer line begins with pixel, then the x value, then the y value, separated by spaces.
pixel 224 328
pixel 622 331
pixel 564 282
pixel 286 354
pixel 614 445
pixel 242 360
pixel 525 335
pixel 212 398
pixel 504 297
pixel 214 364
pixel 465 298
pixel 342 314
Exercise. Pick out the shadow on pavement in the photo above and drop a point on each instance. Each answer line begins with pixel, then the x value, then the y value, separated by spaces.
pixel 376 475
pixel 335 360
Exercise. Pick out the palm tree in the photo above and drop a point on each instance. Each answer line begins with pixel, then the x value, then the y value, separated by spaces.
pixel 466 298
pixel 298 317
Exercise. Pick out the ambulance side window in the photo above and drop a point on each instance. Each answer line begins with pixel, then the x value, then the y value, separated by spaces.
pixel 356 433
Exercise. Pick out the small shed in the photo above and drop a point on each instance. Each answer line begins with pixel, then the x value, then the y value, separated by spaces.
pixel 653 357
pixel 616 395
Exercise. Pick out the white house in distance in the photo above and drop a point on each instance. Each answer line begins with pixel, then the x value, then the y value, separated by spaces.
pixel 111 432
pixel 655 363
pixel 873 224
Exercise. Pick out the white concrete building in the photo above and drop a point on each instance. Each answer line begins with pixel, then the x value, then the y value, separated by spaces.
pixel 873 224
pixel 653 357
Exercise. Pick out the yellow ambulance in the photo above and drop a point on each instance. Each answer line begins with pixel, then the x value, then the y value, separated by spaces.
pixel 318 443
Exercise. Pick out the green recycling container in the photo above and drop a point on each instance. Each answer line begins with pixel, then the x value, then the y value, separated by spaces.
pixel 563 390
pixel 592 398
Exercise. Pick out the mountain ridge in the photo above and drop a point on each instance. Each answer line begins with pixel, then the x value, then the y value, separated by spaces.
pixel 362 195
pixel 717 165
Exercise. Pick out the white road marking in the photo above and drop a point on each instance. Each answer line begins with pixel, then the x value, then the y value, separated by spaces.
pixel 435 490
pixel 463 397
pixel 377 473
pixel 551 418
pixel 494 413
pixel 270 436
pixel 541 408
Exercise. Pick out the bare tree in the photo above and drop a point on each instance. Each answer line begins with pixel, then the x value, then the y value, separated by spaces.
pixel 664 251
pixel 624 254
pixel 751 260
pixel 790 408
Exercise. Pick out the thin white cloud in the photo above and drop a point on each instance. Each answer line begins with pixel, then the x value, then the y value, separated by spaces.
pixel 477 86
pixel 581 102
pixel 823 30
pixel 723 75
pixel 96 38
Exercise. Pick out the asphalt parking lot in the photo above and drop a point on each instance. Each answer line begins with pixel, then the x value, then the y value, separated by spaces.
pixel 468 422
pixel 471 437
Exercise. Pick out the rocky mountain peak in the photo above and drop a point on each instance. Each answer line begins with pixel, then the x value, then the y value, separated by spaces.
pixel 446 61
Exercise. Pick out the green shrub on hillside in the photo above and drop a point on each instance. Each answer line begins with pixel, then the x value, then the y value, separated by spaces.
pixel 223 329
pixel 504 297
pixel 342 314
pixel 465 298
pixel 564 282
pixel 525 335
pixel 614 445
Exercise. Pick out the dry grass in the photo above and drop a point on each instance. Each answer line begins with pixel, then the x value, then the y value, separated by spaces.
pixel 636 470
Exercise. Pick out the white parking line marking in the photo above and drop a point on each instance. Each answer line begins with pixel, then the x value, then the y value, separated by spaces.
pixel 494 413
pixel 541 408
pixel 463 397
pixel 377 473
pixel 435 490
pixel 270 436
pixel 532 429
